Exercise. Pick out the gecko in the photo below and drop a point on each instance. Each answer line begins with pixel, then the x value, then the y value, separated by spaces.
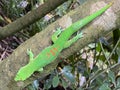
pixel 61 40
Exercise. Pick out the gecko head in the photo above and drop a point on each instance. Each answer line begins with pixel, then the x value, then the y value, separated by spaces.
pixel 23 74
pixel 20 76
pixel 17 78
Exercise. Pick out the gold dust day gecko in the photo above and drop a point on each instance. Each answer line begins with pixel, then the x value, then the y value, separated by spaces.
pixel 62 41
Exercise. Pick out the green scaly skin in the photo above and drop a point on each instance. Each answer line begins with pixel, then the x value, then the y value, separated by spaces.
pixel 50 53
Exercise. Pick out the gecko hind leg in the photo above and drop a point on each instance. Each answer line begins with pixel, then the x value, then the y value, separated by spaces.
pixel 74 39
pixel 40 69
pixel 30 53
pixel 31 56
pixel 55 35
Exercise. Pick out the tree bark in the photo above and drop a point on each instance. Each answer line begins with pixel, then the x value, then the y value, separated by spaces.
pixel 102 25
pixel 29 18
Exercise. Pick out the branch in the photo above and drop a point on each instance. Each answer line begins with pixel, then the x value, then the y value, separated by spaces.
pixel 29 18
pixel 100 26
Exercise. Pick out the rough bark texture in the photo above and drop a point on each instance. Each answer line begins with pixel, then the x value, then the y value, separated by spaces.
pixel 29 18
pixel 100 26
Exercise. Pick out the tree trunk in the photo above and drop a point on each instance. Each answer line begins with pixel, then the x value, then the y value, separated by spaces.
pixel 29 18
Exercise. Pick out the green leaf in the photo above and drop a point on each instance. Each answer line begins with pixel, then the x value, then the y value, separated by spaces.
pixel 118 53
pixel 111 75
pixel 104 87
pixel 1 18
pixel 35 84
pixel 47 84
pixel 80 88
pixel 92 45
pixel 64 84
pixel 66 71
pixel 98 48
pixel 118 83
pixel 30 87
pixel 99 81
pixel 55 81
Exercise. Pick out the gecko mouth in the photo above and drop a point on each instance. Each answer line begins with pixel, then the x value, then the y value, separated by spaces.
pixel 17 78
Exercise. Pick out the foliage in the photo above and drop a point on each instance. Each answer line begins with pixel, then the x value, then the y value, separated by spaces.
pixel 111 83
pixel 91 68
pixel 62 78
pixel 12 8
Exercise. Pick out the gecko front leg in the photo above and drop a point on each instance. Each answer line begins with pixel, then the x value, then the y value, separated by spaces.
pixel 74 39
pixel 31 56
pixel 56 34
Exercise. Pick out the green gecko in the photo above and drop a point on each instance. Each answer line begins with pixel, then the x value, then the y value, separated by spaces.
pixel 61 41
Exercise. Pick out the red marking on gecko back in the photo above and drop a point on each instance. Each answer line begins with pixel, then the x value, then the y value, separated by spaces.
pixel 53 51
pixel 48 54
